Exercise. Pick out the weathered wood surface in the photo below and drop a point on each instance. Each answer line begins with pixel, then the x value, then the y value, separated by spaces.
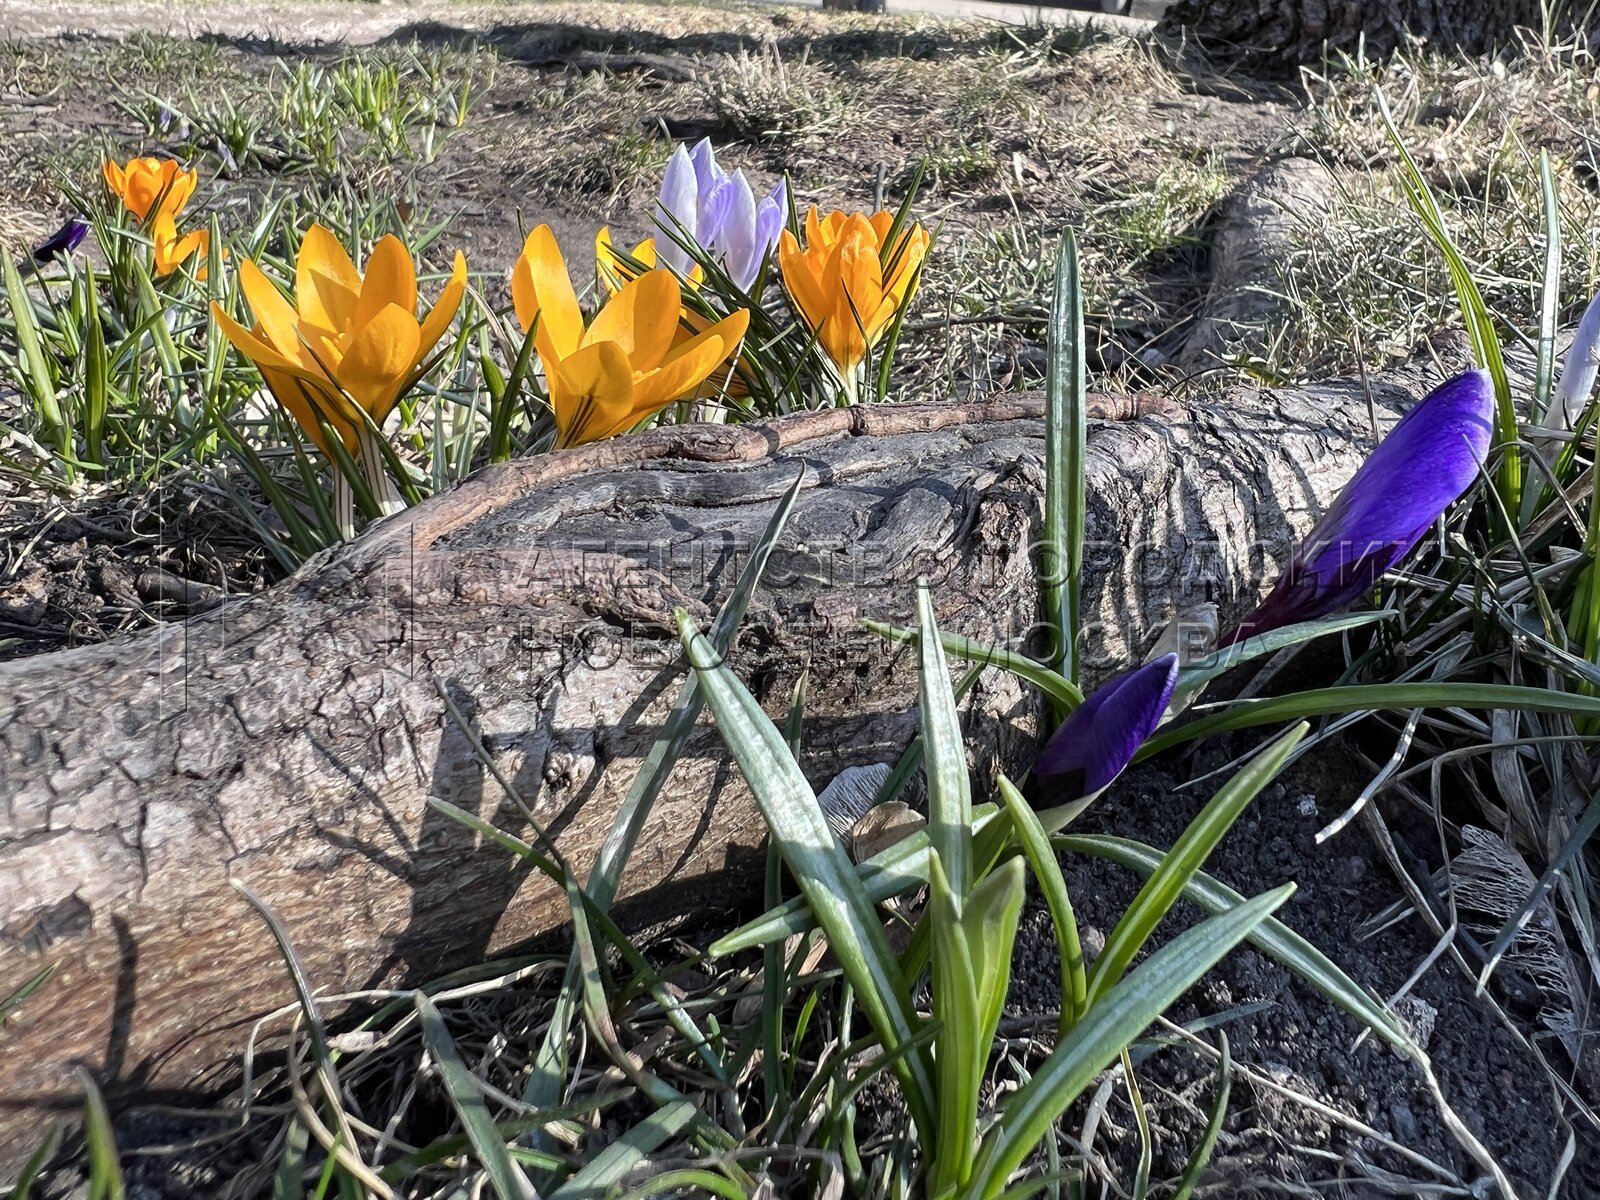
pixel 1291 32
pixel 292 739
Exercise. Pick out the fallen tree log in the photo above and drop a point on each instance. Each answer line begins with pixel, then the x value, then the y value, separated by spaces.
pixel 291 740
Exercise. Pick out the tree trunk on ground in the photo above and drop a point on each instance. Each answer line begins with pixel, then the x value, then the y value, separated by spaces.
pixel 1291 32
pixel 291 740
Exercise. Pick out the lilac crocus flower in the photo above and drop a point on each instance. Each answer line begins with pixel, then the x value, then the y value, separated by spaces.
pixel 1578 372
pixel 1428 460
pixel 63 241
pixel 1102 734
pixel 719 211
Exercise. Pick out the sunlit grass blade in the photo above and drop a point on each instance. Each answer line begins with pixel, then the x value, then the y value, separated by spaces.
pixel 1370 697
pixel 944 756
pixel 955 1007
pixel 544 1084
pixel 602 1176
pixel 1200 1156
pixel 689 1182
pixel 1272 938
pixel 36 378
pixel 466 1098
pixel 1220 662
pixel 1162 890
pixel 1041 856
pixel 1066 433
pixel 1140 1188
pixel 1474 312
pixel 327 1075
pixel 910 760
pixel 891 872
pixel 653 772
pixel 27 988
pixel 22 1186
pixel 817 862
pixel 100 1143
pixel 1062 692
pixel 1105 1031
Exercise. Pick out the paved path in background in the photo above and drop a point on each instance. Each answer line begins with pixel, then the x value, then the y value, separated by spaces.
pixel 358 23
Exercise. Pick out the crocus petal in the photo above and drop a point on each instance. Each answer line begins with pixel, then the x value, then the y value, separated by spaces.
pixel 642 319
pixel 62 242
pixel 391 278
pixel 1578 370
pixel 380 359
pixel 275 315
pixel 715 207
pixel 687 367
pixel 171 251
pixel 738 242
pixel 1102 734
pixel 770 216
pixel 677 210
pixel 541 286
pixel 326 283
pixel 305 401
pixel 707 174
pixel 444 309
pixel 1423 466
pixel 590 393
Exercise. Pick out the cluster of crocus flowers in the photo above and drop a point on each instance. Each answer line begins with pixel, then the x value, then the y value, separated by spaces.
pixel 155 191
pixel 632 360
pixel 718 210
pixel 1427 461
pixel 350 345
pixel 850 281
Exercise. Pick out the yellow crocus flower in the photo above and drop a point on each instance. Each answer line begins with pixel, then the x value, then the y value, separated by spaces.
pixel 613 272
pixel 348 338
pixel 629 363
pixel 846 284
pixel 146 183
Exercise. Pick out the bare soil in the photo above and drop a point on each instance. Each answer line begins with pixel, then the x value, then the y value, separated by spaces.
pixel 1273 1145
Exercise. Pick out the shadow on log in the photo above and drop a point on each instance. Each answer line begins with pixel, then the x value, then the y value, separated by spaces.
pixel 292 740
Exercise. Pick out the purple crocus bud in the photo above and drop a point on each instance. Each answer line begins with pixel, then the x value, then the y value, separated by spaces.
pixel 1428 460
pixel 678 211
pixel 1102 734
pixel 63 241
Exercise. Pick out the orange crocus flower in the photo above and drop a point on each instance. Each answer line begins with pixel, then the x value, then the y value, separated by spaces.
pixel 348 339
pixel 143 184
pixel 846 284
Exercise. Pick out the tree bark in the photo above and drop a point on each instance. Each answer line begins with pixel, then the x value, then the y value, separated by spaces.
pixel 291 740
pixel 1291 32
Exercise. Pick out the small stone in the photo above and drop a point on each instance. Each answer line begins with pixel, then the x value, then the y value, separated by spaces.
pixel 1306 805
pixel 1402 1121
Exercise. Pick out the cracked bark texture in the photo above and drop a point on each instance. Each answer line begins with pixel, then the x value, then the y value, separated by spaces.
pixel 291 740
pixel 1291 32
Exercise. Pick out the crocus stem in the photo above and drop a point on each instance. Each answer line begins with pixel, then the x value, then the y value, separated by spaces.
pixel 370 456
pixel 850 387
pixel 344 506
